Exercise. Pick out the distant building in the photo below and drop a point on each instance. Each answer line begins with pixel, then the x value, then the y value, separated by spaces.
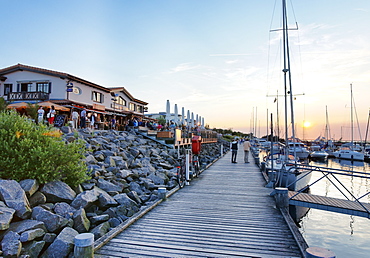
pixel 31 84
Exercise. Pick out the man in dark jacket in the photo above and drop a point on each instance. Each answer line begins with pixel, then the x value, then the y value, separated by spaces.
pixel 234 150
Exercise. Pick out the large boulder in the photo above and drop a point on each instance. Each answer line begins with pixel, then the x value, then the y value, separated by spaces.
pixel 81 222
pixel 11 245
pixel 52 221
pixel 30 186
pixel 58 191
pixel 62 245
pixel 85 199
pixel 14 197
pixel 6 216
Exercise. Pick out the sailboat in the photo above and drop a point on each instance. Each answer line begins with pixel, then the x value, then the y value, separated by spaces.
pixel 348 152
pixel 289 174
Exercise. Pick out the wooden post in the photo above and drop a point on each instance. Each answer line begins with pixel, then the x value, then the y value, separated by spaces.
pixel 281 197
pixel 318 252
pixel 84 245
pixel 162 193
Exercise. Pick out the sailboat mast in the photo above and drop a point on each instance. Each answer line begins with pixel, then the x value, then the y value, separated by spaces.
pixel 351 118
pixel 285 70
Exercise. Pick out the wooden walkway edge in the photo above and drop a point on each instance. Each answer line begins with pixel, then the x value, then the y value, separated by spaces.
pixel 226 212
pixel 329 204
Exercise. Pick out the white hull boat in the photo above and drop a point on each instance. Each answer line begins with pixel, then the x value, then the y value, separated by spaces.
pixel 349 154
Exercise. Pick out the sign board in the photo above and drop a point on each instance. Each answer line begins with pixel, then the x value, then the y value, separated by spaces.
pixel 99 107
pixel 59 120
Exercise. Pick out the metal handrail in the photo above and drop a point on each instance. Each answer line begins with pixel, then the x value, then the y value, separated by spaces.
pixel 333 172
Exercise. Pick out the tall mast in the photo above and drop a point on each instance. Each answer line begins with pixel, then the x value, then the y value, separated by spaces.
pixel 351 119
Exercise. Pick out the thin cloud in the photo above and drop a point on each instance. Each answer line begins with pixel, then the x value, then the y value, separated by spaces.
pixel 184 67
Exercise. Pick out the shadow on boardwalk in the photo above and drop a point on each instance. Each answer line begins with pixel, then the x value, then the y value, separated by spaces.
pixel 226 212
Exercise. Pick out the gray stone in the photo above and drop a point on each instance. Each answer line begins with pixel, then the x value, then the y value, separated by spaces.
pixel 64 209
pixel 37 199
pixel 52 221
pixel 24 225
pixel 30 186
pixel 34 248
pixel 81 222
pixel 58 191
pixel 90 159
pixel 99 219
pixel 106 201
pixel 11 245
pixel 108 186
pixel 49 237
pixel 62 245
pixel 114 222
pixel 14 197
pixel 134 196
pixel 136 187
pixel 127 206
pixel 31 234
pixel 124 173
pixel 165 165
pixel 6 216
pixel 156 179
pixel 87 186
pixel 85 199
pixel 100 230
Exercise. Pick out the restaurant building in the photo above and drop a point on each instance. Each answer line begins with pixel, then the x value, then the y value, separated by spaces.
pixel 23 83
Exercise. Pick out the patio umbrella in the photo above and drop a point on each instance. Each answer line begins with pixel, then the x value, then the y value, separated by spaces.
pixel 192 119
pixel 48 104
pixel 188 124
pixel 18 105
pixel 168 111
pixel 182 116
pixel 176 119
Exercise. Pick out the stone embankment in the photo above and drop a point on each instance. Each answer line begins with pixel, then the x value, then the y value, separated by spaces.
pixel 126 171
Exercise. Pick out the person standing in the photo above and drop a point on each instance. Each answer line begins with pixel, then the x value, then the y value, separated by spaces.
pixel 234 150
pixel 92 120
pixel 83 118
pixel 51 115
pixel 247 148
pixel 75 117
pixel 40 115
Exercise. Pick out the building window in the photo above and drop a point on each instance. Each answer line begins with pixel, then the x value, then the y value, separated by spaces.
pixel 97 97
pixel 8 88
pixel 132 107
pixel 121 101
pixel 27 87
pixel 43 87
pixel 140 109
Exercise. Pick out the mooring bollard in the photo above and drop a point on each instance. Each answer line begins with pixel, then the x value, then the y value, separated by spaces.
pixel 84 245
pixel 162 193
pixel 281 197
pixel 319 252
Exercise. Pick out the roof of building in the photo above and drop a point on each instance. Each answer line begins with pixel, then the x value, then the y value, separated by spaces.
pixel 123 89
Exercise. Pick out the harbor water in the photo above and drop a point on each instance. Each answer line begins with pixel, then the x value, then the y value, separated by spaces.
pixel 346 235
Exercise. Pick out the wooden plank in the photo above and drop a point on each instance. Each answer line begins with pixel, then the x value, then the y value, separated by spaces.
pixel 226 212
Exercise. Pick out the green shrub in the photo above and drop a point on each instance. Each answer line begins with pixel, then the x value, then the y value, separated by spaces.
pixel 35 151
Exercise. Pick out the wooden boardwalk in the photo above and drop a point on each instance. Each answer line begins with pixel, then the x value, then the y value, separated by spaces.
pixel 226 212
pixel 329 204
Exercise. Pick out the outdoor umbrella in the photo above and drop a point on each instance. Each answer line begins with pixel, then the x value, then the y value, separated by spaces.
pixel 182 116
pixel 176 119
pixel 18 105
pixel 168 110
pixel 48 104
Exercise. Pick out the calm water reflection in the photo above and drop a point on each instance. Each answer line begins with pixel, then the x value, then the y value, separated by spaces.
pixel 347 236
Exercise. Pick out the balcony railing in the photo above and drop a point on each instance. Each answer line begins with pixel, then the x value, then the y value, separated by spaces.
pixel 28 96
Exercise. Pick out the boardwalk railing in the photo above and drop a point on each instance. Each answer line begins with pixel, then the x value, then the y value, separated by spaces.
pixel 332 175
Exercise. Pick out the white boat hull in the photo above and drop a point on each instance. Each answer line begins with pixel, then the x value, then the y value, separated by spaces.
pixel 349 154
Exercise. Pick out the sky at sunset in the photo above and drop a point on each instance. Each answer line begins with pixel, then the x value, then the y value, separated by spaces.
pixel 216 58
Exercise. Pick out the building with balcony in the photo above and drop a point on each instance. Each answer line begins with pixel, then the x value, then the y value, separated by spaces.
pixel 32 84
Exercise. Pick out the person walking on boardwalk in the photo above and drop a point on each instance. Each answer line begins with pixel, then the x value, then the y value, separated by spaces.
pixel 247 147
pixel 234 150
